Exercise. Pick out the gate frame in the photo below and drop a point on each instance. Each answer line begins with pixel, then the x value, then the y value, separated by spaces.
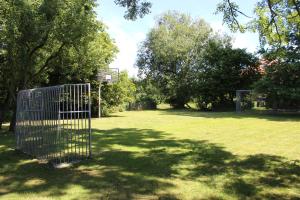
pixel 238 101
pixel 56 107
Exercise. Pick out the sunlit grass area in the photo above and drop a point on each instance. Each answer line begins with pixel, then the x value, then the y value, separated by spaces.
pixel 168 154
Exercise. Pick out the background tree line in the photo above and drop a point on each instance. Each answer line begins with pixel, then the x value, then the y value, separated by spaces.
pixel 186 61
pixel 50 42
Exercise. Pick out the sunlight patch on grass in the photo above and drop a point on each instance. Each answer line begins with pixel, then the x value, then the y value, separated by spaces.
pixel 34 182
pixel 168 154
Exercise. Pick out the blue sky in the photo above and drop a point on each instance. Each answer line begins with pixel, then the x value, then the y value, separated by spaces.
pixel 129 34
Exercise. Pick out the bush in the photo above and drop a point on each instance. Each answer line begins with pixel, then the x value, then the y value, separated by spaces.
pixel 147 96
pixel 281 84
pixel 143 104
pixel 221 71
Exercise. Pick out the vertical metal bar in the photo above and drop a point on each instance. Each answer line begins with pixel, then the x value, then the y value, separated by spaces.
pixel 25 133
pixel 71 120
pixel 30 127
pixel 57 148
pixel 27 137
pixel 37 124
pixel 59 123
pixel 78 112
pixel 68 128
pixel 63 126
pixel 90 136
pixel 47 130
pixel 27 125
pixel 37 132
pixel 56 126
pixel 51 125
pixel 42 123
pixel 85 119
pixel 53 131
pixel 99 100
pixel 48 124
pixel 81 116
pixel 45 137
pixel 34 125
pixel 37 135
pixel 74 119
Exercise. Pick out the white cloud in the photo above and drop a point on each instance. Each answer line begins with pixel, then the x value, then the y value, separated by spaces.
pixel 127 44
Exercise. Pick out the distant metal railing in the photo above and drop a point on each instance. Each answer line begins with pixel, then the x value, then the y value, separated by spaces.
pixel 54 123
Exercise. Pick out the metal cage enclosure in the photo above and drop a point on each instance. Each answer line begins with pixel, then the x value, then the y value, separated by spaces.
pixel 54 123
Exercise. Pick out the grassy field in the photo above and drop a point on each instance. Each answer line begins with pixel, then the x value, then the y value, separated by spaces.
pixel 168 155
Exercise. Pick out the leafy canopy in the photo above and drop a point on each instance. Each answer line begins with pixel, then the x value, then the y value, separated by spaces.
pixel 165 56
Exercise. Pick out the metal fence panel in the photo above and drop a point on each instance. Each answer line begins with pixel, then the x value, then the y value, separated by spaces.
pixel 54 123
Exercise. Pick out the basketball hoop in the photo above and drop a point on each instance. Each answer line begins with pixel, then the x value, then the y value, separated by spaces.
pixel 109 76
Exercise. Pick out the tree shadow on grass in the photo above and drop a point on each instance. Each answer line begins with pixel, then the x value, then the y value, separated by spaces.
pixel 249 114
pixel 142 163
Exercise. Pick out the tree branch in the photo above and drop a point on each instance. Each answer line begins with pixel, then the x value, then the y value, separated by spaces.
pixel 232 9
pixel 44 40
pixel 296 6
pixel 273 21
pixel 54 55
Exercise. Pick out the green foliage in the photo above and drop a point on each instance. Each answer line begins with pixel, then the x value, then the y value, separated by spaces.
pixel 37 32
pixel 275 20
pixel 49 42
pixel 147 95
pixel 186 60
pixel 222 71
pixel 281 83
pixel 278 25
pixel 165 56
pixel 135 8
pixel 81 64
pixel 230 11
pixel 116 96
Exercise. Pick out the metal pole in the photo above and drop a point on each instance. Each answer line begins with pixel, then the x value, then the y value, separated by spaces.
pixel 90 131
pixel 238 101
pixel 99 100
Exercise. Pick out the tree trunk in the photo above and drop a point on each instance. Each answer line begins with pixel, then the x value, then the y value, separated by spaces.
pixel 3 109
pixel 1 117
pixel 14 94
pixel 12 124
pixel 14 109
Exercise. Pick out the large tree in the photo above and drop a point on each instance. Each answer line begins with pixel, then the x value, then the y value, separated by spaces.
pixel 53 41
pixel 278 25
pixel 40 36
pixel 220 71
pixel 165 56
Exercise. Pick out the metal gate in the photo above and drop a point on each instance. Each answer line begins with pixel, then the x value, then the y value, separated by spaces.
pixel 54 123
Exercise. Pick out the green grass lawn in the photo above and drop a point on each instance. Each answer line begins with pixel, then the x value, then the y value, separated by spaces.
pixel 168 154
